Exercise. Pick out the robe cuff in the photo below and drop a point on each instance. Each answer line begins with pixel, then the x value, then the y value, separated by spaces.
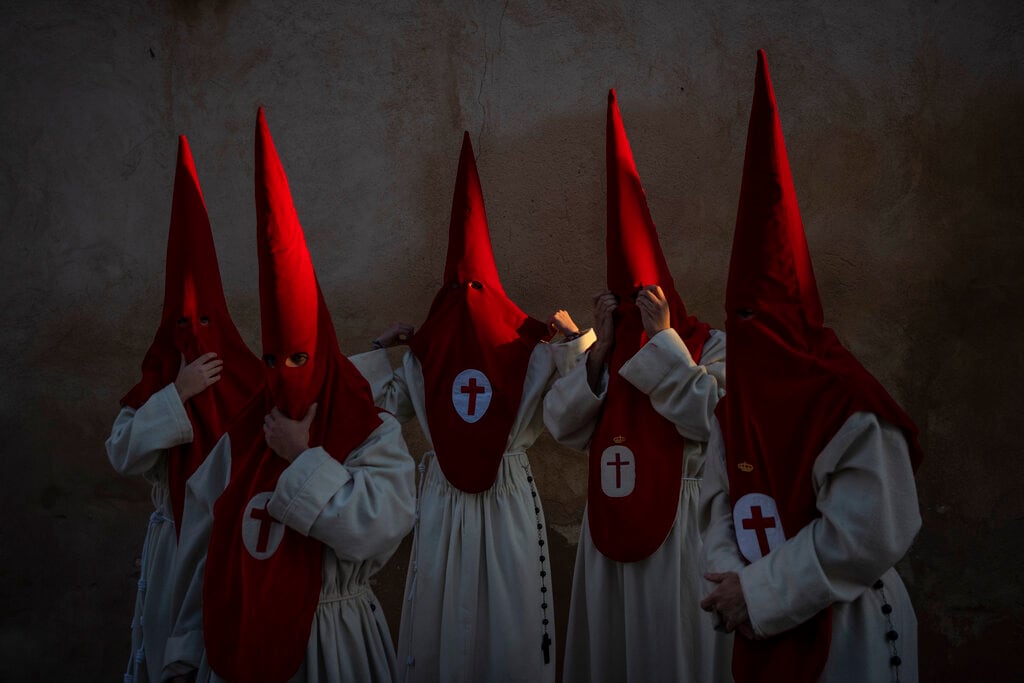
pixel 657 360
pixel 182 654
pixel 305 487
pixel 774 603
pixel 567 353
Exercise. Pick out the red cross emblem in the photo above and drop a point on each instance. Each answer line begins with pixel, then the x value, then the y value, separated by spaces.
pixel 758 526
pixel 471 395
pixel 261 533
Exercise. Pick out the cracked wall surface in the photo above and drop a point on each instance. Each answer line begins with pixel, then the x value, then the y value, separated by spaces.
pixel 902 121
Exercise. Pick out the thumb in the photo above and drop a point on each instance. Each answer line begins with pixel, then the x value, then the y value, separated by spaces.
pixel 310 414
pixel 182 366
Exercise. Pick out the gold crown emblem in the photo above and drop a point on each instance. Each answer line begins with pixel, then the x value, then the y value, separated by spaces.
pixel 745 467
pixel 619 439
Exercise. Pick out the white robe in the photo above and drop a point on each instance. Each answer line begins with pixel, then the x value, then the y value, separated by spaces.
pixel 360 510
pixel 138 444
pixel 865 492
pixel 476 582
pixel 641 621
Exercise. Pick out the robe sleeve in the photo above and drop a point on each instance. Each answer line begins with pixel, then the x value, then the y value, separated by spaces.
pixel 566 355
pixel 184 648
pixel 390 390
pixel 681 390
pixel 571 408
pixel 721 554
pixel 869 517
pixel 361 508
pixel 139 437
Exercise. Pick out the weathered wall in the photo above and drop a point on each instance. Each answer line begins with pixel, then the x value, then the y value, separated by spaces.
pixel 903 125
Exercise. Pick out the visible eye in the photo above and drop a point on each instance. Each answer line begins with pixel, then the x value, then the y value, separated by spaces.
pixel 270 360
pixel 182 322
pixel 297 360
pixel 203 320
pixel 476 285
pixel 745 313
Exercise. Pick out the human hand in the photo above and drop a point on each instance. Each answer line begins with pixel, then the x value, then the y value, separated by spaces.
pixel 194 377
pixel 286 437
pixel 562 323
pixel 728 601
pixel 399 333
pixel 653 309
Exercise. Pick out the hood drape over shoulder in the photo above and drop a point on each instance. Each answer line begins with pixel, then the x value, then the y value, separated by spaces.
pixel 791 383
pixel 636 462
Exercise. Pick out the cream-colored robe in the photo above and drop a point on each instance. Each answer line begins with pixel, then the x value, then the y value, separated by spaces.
pixel 477 591
pixel 641 621
pixel 360 510
pixel 869 516
pixel 138 444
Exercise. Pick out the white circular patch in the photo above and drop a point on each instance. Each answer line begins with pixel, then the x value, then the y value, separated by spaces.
pixel 758 526
pixel 618 471
pixel 261 533
pixel 471 395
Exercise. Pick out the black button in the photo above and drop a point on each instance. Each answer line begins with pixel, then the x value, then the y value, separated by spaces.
pixel 373 607
pixel 896 661
pixel 545 622
pixel 543 589
pixel 533 493
pixel 886 608
pixel 536 510
pixel 540 542
pixel 529 479
pixel 539 527
pixel 542 558
pixel 543 605
pixel 892 635
pixel 878 584
pixel 543 573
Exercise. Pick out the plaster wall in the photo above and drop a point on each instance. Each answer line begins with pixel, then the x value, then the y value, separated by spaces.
pixel 903 128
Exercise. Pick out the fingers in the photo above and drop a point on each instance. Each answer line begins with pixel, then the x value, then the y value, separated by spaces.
pixel 206 357
pixel 310 414
pixel 180 367
pixel 715 577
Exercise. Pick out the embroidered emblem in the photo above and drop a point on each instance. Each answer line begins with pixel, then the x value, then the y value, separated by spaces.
pixel 618 471
pixel 471 395
pixel 619 439
pixel 745 467
pixel 758 526
pixel 261 533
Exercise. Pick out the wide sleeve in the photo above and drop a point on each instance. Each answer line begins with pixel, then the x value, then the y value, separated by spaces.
pixel 361 508
pixel 390 390
pixel 721 554
pixel 185 645
pixel 566 355
pixel 682 391
pixel 869 517
pixel 571 407
pixel 139 437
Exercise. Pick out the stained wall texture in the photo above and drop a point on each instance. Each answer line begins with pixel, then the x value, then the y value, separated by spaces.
pixel 903 121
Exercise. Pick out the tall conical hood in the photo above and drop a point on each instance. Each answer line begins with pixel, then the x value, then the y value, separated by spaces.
pixel 634 256
pixel 470 256
pixel 293 316
pixel 770 263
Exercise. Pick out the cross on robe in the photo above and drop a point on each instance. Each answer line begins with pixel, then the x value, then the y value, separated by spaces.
pixel 758 524
pixel 619 462
pixel 266 524
pixel 472 389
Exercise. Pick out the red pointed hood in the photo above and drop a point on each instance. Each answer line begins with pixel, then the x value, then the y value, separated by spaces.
pixel 472 327
pixel 195 321
pixel 634 256
pixel 791 384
